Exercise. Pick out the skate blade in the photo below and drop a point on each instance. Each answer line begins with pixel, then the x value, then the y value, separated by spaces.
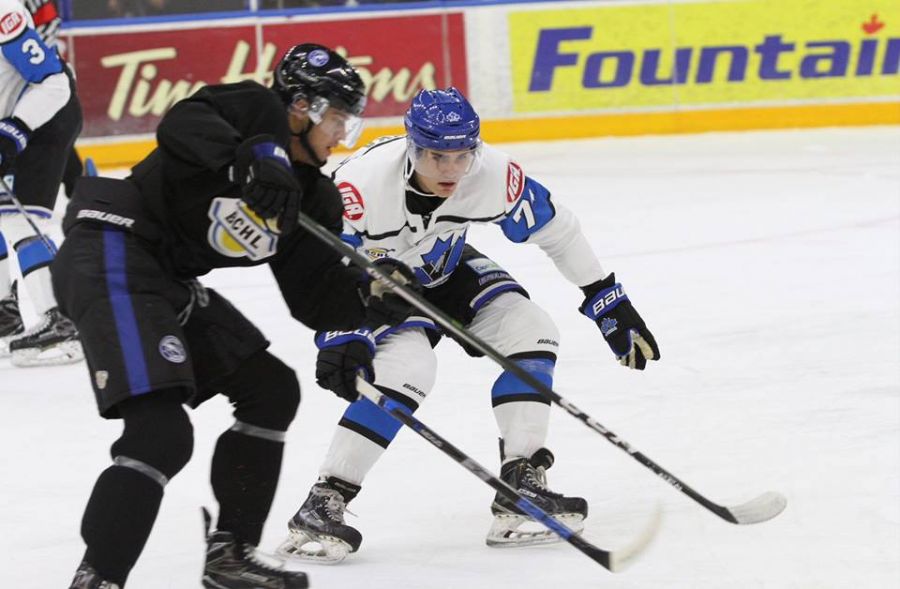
pixel 507 530
pixel 4 343
pixel 58 355
pixel 309 547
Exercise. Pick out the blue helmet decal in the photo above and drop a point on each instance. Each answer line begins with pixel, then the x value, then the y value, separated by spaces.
pixel 442 120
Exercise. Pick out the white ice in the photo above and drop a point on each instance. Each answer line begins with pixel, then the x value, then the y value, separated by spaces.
pixel 767 264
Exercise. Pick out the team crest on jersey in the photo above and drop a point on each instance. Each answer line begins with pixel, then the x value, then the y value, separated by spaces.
pixel 238 232
pixel 354 207
pixel 11 23
pixel 515 182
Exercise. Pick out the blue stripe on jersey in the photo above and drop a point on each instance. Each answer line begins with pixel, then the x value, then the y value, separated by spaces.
pixel 510 384
pixel 32 254
pixel 368 415
pixel 31 57
pixel 3 251
pixel 530 214
pixel 123 311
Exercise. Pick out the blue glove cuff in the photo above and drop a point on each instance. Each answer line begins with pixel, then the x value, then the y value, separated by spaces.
pixel 604 301
pixel 14 133
pixel 330 339
pixel 271 150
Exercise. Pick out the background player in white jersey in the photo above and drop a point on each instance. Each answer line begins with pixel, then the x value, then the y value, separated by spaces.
pixel 40 117
pixel 412 198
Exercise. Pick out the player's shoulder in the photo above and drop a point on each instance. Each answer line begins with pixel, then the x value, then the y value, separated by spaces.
pixel 500 174
pixel 14 19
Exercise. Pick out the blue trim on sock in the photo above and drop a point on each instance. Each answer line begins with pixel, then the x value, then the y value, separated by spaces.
pixel 33 253
pixel 510 384
pixel 367 415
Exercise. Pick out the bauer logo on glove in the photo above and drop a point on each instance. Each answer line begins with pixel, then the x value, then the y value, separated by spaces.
pixel 623 329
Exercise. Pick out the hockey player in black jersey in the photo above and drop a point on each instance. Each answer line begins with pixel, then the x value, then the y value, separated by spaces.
pixel 233 166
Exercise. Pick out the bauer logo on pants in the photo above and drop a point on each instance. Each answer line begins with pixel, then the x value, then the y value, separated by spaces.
pixel 171 348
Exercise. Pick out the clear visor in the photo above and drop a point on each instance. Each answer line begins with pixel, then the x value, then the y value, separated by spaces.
pixel 444 166
pixel 334 122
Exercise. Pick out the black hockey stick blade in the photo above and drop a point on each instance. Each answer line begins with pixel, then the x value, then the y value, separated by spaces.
pixel 613 561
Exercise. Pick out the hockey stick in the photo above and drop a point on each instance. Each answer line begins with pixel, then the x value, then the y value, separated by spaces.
pixel 759 509
pixel 16 203
pixel 613 561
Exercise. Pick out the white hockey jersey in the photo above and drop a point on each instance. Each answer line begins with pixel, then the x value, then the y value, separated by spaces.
pixel 378 223
pixel 33 86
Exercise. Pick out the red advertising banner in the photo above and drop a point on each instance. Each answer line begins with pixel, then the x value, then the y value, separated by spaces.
pixel 128 79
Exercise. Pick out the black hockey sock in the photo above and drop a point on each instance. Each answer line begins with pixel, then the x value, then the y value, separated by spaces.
pixel 245 471
pixel 118 520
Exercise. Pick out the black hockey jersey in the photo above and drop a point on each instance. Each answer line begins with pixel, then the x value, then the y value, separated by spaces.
pixel 186 196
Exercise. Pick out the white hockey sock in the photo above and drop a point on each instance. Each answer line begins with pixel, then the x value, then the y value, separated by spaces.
pixel 523 426
pixel 32 256
pixel 350 456
pixel 5 279
pixel 40 290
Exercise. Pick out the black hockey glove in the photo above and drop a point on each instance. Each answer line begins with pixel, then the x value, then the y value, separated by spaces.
pixel 623 329
pixel 342 356
pixel 383 306
pixel 268 184
pixel 14 136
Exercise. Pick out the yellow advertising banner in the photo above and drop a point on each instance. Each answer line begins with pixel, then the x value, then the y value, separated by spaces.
pixel 668 54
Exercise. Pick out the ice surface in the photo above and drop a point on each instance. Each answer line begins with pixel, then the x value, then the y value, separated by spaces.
pixel 768 267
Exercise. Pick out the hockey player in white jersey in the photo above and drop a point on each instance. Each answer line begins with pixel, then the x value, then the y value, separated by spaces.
pixel 40 117
pixel 413 198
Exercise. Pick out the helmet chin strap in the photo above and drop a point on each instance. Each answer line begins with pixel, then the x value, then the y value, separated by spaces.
pixel 303 137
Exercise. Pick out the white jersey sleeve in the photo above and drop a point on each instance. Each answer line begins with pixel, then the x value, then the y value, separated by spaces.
pixel 533 217
pixel 33 85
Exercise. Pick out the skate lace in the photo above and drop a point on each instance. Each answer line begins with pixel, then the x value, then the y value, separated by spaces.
pixel 251 556
pixel 334 505
pixel 537 477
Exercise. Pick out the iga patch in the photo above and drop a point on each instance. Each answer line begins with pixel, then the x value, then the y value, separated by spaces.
pixel 354 207
pixel 11 24
pixel 515 182
pixel 171 348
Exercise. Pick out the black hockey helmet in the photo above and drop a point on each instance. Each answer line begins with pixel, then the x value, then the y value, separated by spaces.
pixel 309 71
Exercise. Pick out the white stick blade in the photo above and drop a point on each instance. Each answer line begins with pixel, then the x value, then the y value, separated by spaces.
pixel 761 509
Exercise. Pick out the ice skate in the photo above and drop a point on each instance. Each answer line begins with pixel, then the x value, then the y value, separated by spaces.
pixel 317 532
pixel 11 324
pixel 52 342
pixel 87 578
pixel 528 476
pixel 232 564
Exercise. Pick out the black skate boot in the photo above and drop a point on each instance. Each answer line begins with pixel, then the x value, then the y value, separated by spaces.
pixel 10 320
pixel 53 341
pixel 528 476
pixel 87 578
pixel 317 532
pixel 232 564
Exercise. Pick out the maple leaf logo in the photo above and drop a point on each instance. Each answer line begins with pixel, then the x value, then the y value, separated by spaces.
pixel 873 25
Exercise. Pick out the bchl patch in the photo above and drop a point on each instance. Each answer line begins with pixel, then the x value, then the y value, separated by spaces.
pixel 171 348
pixel 11 24
pixel 515 182
pixel 377 253
pixel 484 265
pixel 354 207
pixel 238 232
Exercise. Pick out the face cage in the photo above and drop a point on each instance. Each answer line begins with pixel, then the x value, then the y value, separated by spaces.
pixel 420 164
pixel 352 124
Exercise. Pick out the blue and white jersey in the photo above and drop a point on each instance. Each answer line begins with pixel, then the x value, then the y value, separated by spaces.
pixel 33 85
pixel 378 223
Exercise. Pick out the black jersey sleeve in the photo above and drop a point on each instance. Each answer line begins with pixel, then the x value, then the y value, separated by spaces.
pixel 320 291
pixel 203 131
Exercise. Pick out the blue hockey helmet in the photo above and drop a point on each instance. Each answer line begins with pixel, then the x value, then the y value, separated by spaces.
pixel 442 120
